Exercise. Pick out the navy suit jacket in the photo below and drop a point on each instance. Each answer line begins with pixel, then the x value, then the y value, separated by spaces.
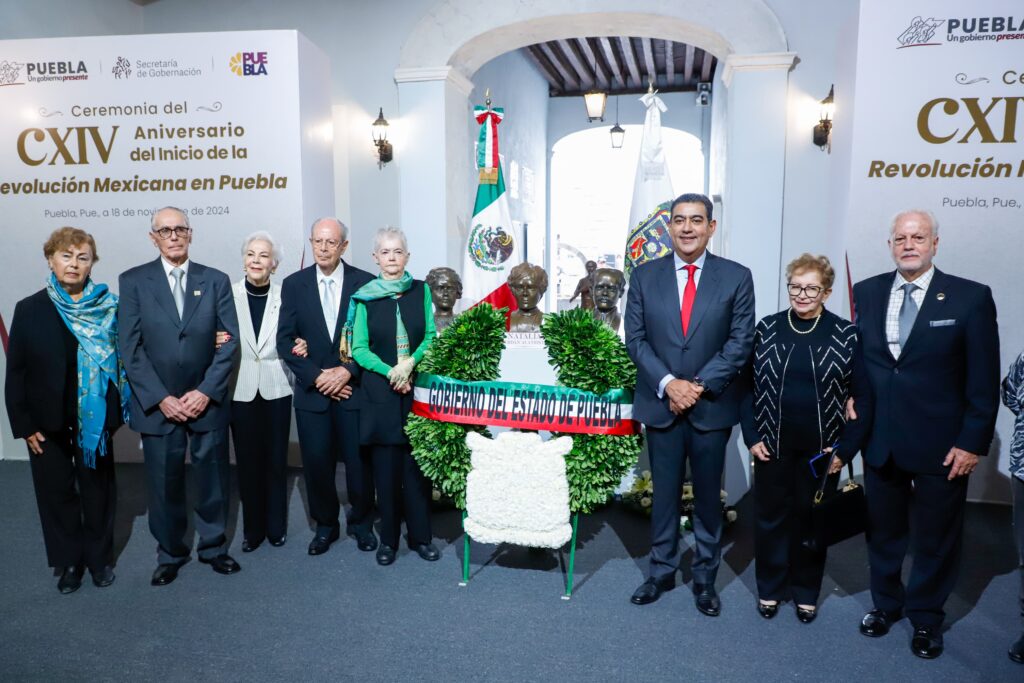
pixel 943 391
pixel 720 339
pixel 302 316
pixel 164 356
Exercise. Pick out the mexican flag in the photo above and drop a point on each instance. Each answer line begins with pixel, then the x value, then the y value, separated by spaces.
pixel 491 248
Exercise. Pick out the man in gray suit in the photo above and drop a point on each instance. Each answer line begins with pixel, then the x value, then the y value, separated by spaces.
pixel 688 349
pixel 170 311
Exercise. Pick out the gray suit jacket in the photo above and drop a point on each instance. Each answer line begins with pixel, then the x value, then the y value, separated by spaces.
pixel 718 345
pixel 165 356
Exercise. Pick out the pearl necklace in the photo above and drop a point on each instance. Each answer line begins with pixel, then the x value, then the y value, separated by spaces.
pixel 789 317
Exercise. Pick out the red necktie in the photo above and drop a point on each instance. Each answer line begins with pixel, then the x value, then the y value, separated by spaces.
pixel 689 294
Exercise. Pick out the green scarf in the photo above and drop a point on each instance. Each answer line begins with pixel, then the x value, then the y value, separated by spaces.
pixel 375 290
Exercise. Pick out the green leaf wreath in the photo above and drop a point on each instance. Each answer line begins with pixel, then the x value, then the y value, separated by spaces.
pixel 469 350
pixel 587 354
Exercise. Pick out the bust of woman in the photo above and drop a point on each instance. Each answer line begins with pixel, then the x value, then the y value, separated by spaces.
pixel 445 289
pixel 528 284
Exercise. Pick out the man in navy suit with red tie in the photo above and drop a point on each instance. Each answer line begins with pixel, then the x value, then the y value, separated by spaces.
pixel 688 351
pixel 931 345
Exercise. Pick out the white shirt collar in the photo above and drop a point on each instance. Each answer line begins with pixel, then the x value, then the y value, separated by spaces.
pixel 679 263
pixel 168 267
pixel 336 275
pixel 922 282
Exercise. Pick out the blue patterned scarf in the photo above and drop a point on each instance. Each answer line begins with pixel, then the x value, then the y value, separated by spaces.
pixel 93 321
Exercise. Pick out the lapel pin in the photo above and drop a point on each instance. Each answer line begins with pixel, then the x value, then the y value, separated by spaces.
pixel 196 292
pixel 940 296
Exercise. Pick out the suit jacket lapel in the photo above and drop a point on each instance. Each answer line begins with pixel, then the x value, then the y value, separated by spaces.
pixel 707 290
pixel 195 290
pixel 670 303
pixel 162 291
pixel 928 309
pixel 347 289
pixel 313 285
pixel 244 317
pixel 882 311
pixel 269 317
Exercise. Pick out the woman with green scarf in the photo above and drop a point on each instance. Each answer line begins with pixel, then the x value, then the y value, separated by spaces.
pixel 389 327
pixel 67 394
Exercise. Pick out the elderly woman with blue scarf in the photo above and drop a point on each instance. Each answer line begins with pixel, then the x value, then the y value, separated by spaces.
pixel 66 394
pixel 389 326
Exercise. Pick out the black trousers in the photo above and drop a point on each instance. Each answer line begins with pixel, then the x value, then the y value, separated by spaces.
pixel 323 437
pixel 670 449
pixel 924 512
pixel 76 503
pixel 402 491
pixel 260 430
pixel 164 456
pixel 784 489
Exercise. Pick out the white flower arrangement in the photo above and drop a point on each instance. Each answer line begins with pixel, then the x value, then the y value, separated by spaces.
pixel 517 490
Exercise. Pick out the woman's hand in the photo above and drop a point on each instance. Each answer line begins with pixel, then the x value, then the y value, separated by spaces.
pixel 300 349
pixel 760 451
pixel 35 443
pixel 221 339
pixel 404 388
pixel 836 464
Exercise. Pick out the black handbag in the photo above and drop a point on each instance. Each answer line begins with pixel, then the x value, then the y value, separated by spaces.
pixel 837 515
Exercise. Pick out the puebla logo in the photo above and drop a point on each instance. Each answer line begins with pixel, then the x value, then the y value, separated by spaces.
pixel 490 246
pixel 10 73
pixel 249 63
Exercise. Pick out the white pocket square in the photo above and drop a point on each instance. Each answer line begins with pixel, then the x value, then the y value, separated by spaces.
pixel 942 323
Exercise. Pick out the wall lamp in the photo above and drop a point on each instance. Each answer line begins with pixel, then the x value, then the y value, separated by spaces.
pixel 823 131
pixel 385 152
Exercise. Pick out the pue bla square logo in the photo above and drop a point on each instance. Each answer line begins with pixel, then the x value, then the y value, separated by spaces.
pixel 249 64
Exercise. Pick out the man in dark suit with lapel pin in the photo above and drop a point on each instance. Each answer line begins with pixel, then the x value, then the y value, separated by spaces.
pixel 688 349
pixel 931 345
pixel 170 311
pixel 314 303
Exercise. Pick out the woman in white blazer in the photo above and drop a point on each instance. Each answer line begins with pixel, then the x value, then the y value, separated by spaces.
pixel 261 406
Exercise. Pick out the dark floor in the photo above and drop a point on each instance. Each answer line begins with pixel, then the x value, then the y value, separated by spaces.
pixel 341 617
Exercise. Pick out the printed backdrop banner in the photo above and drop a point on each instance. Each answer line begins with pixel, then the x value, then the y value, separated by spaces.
pixel 234 128
pixel 938 124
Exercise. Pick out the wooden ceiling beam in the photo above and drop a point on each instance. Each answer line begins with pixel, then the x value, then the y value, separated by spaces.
pixel 546 68
pixel 565 70
pixel 688 65
pixel 629 57
pixel 648 54
pixel 705 71
pixel 612 59
pixel 601 71
pixel 670 63
pixel 571 50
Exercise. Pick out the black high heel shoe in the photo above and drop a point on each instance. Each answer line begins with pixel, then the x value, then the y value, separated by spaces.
pixel 805 615
pixel 767 611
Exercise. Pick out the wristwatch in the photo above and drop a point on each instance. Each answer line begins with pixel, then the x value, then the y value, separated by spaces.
pixel 701 383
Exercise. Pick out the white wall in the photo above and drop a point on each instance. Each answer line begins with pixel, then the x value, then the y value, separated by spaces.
pixel 62 18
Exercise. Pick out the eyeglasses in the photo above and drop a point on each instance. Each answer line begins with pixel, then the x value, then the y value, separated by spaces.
pixel 333 244
pixel 812 291
pixel 179 230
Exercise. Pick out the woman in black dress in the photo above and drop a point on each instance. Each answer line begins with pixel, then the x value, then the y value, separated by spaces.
pixel 66 395
pixel 806 364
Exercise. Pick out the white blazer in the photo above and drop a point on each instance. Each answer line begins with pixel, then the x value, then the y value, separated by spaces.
pixel 260 368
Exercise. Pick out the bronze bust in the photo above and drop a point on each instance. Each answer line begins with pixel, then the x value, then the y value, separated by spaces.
pixel 609 285
pixel 528 284
pixel 445 289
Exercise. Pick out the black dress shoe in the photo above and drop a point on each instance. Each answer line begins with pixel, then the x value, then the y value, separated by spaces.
pixel 102 578
pixel 1016 652
pixel 428 551
pixel 321 544
pixel 222 564
pixel 767 611
pixel 70 580
pixel 805 615
pixel 877 623
pixel 927 642
pixel 706 599
pixel 279 541
pixel 164 574
pixel 365 538
pixel 248 547
pixel 650 590
pixel 385 555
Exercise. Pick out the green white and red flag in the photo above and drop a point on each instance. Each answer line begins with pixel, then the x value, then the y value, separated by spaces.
pixel 491 247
